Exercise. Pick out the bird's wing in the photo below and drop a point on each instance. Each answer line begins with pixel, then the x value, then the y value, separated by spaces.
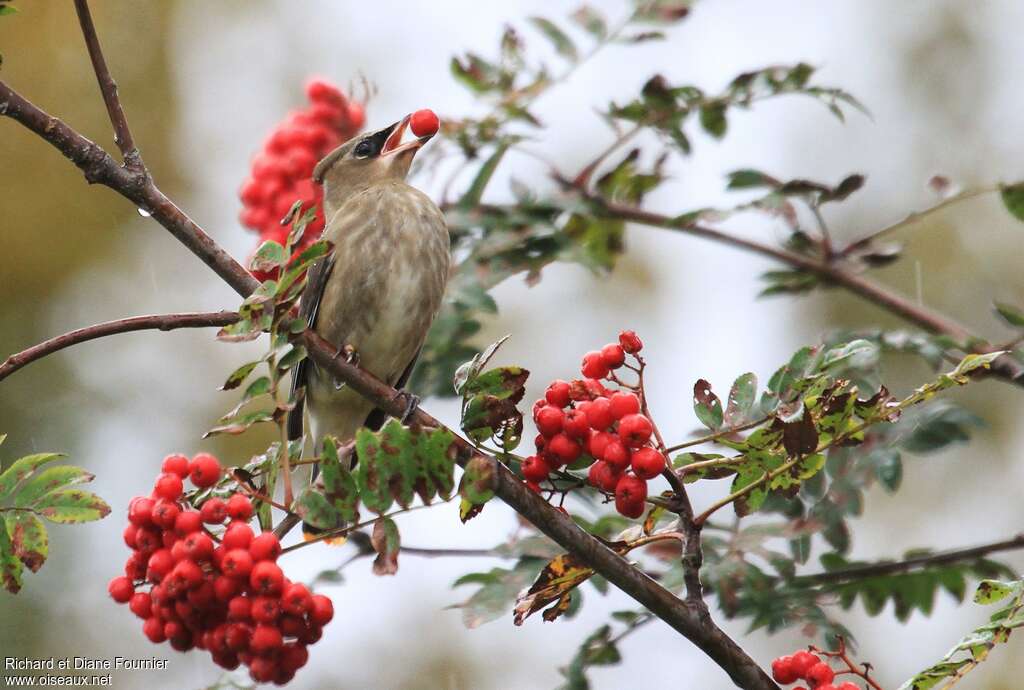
pixel 377 417
pixel 309 307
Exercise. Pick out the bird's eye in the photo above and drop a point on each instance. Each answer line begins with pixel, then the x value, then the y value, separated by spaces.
pixel 364 148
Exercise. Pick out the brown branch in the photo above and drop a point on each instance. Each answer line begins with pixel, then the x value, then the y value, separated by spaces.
pixel 137 187
pixel 162 322
pixel 892 567
pixel 122 134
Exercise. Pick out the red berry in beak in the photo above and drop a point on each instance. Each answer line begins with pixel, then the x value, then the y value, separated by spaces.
pixel 424 123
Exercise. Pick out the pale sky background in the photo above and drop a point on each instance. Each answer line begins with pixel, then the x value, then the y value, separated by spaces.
pixel 940 79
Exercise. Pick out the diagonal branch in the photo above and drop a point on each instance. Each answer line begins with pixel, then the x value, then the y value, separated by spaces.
pixel 122 134
pixel 162 322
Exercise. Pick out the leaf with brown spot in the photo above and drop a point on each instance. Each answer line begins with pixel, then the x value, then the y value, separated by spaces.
pixel 386 542
pixel 28 538
pixel 70 506
pixel 11 567
pixel 707 406
pixel 48 480
pixel 800 436
pixel 20 470
pixel 555 584
pixel 469 510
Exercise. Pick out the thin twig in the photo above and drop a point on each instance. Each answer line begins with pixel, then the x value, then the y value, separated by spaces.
pixel 122 134
pixel 717 435
pixel 162 322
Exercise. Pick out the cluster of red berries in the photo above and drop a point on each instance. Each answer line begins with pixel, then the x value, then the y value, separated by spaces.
pixel 804 665
pixel 582 422
pixel 220 592
pixel 281 172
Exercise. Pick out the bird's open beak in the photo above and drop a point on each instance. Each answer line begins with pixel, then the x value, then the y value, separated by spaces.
pixel 393 145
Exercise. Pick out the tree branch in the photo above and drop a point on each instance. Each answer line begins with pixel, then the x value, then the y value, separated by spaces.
pixel 137 187
pixel 892 567
pixel 162 322
pixel 122 134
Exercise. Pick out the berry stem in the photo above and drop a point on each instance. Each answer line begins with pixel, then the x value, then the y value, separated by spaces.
pixel 852 667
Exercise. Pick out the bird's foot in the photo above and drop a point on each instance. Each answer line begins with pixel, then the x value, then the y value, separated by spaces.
pixel 351 356
pixel 412 403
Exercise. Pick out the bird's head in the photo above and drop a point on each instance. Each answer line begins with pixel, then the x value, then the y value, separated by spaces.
pixel 373 157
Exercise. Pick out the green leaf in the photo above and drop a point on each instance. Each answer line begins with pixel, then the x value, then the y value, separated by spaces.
pixel 707 406
pixel 20 469
pixel 10 565
pixel 991 591
pixel 317 510
pixel 241 423
pixel 28 538
pixel 563 44
pixel 7 9
pixel 478 480
pixel 48 480
pixel 269 256
pixel 239 375
pixel 1013 199
pixel 748 179
pixel 713 120
pixel 71 506
pixel 1014 316
pixel 742 396
pixel 475 192
pixel 591 21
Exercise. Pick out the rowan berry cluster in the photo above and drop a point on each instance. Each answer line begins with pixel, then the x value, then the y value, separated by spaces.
pixel 281 172
pixel 804 665
pixel 583 422
pixel 198 586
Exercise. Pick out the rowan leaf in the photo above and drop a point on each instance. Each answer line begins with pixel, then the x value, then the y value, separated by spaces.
pixel 386 542
pixel 71 506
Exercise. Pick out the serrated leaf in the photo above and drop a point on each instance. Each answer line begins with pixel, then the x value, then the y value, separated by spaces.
pixel 742 396
pixel 478 480
pixel 269 256
pixel 239 375
pixel 991 591
pixel 317 510
pixel 11 566
pixel 20 469
pixel 28 538
pixel 49 480
pixel 241 423
pixel 71 506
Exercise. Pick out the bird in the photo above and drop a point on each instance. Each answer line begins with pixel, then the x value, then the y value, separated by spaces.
pixel 376 295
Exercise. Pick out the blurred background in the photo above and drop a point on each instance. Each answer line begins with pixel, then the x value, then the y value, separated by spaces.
pixel 202 84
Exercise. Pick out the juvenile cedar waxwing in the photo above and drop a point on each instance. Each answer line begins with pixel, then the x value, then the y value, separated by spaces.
pixel 376 295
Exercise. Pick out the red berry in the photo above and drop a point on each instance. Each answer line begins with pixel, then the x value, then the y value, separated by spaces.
pixel 293 656
pixel 356 116
pixel 296 599
pixel 239 507
pixel 187 573
pixel 599 414
pixel 129 535
pixel 121 589
pixel 613 355
pixel 237 563
pixel 237 635
pixel 635 430
pixel 204 470
pixel 239 608
pixel 266 577
pixel 576 424
pixel 187 522
pixel 558 393
pixel 165 512
pixel 615 454
pixel 647 463
pixel 623 404
pixel 141 605
pixel 198 546
pixel 604 476
pixel 225 587
pixel 535 469
pixel 265 638
pixel 424 123
pixel 564 449
pixel 783 671
pixel 842 686
pixel 140 511
pixel 160 563
pixel 175 463
pixel 153 629
pixel 322 611
pixel 820 674
pixel 630 493
pixel 802 661
pixel 265 547
pixel 266 609
pixel 549 420
pixel 135 566
pixel 214 511
pixel 238 535
pixel 593 366
pixel 630 342
pixel 168 486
